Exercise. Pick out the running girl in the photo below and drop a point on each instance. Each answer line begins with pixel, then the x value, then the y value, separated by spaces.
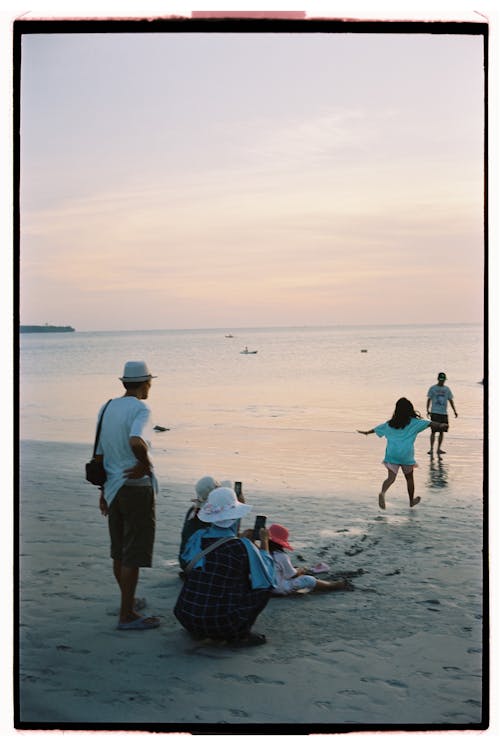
pixel 401 431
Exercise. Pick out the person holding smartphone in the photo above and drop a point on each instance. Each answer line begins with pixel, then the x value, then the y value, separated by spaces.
pixel 228 579
pixel 288 578
pixel 192 522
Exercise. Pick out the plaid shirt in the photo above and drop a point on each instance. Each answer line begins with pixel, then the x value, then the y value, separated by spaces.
pixel 218 602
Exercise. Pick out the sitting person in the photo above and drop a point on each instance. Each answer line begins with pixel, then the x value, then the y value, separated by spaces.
pixel 226 588
pixel 289 579
pixel 192 521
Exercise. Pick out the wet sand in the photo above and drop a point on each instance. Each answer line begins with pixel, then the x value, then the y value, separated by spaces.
pixel 403 650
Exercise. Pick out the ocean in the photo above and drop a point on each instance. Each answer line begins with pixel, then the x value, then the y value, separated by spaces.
pixel 283 419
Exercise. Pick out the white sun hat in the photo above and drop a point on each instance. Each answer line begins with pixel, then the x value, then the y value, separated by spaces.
pixel 222 505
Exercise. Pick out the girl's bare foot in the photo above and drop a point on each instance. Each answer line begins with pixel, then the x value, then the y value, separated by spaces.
pixel 340 585
pixel 414 501
pixel 381 500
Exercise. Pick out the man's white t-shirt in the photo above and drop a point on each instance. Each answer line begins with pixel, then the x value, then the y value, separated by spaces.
pixel 124 417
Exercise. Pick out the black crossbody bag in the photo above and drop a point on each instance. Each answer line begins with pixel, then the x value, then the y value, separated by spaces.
pixel 94 470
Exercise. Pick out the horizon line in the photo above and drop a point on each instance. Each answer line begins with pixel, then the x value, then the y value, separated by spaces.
pixel 228 330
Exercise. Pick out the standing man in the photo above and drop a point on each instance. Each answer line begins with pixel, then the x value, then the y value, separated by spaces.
pixel 438 397
pixel 128 497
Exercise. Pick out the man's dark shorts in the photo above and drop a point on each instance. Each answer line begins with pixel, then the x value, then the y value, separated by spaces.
pixel 438 418
pixel 131 521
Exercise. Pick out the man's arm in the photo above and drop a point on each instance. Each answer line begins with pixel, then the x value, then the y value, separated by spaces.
pixel 143 466
pixel 453 407
pixel 428 405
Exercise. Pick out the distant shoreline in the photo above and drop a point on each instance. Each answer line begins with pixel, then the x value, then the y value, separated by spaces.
pixel 35 328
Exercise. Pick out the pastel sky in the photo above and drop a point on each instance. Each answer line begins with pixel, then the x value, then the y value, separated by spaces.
pixel 227 180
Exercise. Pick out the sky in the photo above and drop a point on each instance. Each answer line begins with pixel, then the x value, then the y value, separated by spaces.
pixel 225 180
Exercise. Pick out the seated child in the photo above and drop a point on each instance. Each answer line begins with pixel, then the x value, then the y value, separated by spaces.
pixel 288 578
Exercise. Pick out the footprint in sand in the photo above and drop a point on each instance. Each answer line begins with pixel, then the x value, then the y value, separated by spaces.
pixel 323 704
pixel 253 678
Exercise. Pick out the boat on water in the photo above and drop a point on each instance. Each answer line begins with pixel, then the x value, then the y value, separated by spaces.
pixel 229 336
pixel 26 328
pixel 246 351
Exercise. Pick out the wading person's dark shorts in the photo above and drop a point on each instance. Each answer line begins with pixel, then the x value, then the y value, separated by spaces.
pixel 438 418
pixel 131 522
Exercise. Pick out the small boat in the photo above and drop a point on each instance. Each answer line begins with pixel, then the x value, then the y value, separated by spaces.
pixel 160 429
pixel 229 336
pixel 246 351
pixel 364 350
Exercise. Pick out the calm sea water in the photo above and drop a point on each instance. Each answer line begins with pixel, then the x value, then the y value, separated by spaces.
pixel 283 418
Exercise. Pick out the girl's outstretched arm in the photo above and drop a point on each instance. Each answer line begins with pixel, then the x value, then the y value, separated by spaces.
pixel 365 433
pixel 437 426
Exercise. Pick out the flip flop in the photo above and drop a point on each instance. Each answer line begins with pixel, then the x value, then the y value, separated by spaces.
pixel 140 623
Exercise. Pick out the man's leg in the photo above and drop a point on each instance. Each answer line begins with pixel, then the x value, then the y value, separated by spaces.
pixel 126 579
pixel 117 572
pixel 129 577
pixel 433 436
pixel 139 604
pixel 137 507
pixel 440 441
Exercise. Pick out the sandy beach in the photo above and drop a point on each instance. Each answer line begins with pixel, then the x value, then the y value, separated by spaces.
pixel 404 649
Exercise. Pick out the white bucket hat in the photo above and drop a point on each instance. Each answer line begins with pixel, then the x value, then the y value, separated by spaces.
pixel 136 371
pixel 203 487
pixel 222 505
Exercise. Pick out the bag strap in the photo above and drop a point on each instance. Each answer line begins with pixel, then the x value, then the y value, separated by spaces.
pixel 208 549
pixel 98 430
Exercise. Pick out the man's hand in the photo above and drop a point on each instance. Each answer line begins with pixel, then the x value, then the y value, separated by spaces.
pixel 143 465
pixel 103 504
pixel 138 470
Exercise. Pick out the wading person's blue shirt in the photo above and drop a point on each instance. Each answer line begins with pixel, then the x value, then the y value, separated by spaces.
pixel 400 441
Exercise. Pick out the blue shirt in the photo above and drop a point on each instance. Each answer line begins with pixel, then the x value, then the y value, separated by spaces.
pixel 439 396
pixel 400 441
pixel 260 561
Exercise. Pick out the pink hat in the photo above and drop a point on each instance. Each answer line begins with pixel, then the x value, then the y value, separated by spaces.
pixel 279 534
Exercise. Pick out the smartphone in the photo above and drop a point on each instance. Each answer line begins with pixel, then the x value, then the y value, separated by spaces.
pixel 237 489
pixel 260 523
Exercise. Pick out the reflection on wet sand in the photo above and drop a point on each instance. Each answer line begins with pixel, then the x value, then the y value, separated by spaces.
pixel 438 473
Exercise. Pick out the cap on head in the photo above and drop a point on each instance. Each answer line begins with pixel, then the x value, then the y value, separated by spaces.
pixel 442 376
pixel 136 372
